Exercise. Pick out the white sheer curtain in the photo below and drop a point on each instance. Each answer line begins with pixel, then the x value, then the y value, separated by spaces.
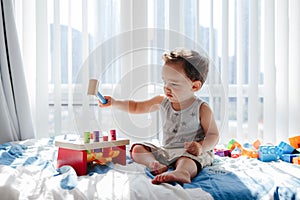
pixel 252 86
pixel 15 117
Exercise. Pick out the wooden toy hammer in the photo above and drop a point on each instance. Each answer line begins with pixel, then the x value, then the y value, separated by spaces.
pixel 93 90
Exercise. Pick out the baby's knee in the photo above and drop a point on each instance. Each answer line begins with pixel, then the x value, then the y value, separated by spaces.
pixel 138 148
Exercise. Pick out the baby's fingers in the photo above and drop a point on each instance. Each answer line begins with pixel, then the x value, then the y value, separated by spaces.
pixel 187 145
pixel 108 102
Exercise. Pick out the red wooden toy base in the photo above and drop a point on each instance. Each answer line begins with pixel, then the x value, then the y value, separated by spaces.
pixel 75 155
pixel 75 158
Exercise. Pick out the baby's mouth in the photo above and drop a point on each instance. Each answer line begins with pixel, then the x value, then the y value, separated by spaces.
pixel 169 95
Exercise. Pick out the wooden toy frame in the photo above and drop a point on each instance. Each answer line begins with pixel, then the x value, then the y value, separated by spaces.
pixel 75 154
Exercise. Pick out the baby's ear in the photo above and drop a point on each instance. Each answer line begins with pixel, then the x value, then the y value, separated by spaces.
pixel 196 85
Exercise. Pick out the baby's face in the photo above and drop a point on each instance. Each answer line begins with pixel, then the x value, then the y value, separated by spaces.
pixel 177 86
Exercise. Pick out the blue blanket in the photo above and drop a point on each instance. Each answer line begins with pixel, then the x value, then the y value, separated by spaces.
pixel 220 184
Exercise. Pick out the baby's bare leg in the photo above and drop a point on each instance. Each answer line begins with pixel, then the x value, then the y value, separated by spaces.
pixel 157 168
pixel 185 170
pixel 142 155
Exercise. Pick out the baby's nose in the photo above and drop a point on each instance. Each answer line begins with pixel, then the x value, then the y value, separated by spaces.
pixel 167 87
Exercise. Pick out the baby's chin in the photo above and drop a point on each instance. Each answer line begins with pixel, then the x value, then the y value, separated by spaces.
pixel 179 101
pixel 173 100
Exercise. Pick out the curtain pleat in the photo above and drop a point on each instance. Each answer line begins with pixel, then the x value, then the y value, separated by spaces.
pixel 16 122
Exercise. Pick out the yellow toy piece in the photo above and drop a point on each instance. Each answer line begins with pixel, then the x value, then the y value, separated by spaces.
pixel 99 158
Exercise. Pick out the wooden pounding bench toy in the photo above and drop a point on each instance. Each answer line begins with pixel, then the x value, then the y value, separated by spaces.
pixel 78 155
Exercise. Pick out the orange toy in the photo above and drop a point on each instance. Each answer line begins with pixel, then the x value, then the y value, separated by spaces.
pixel 232 144
pixel 251 153
pixel 295 141
pixel 256 144
pixel 100 158
pixel 296 160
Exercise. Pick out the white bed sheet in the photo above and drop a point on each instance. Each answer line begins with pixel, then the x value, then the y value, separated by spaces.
pixel 40 180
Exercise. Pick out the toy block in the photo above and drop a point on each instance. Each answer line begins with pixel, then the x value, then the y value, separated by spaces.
pixel 250 152
pixel 222 152
pixel 247 145
pixel 295 141
pixel 284 148
pixel 256 144
pixel 288 157
pixel 267 153
pixel 236 152
pixel 219 152
pixel 296 151
pixel 121 159
pixel 296 160
pixel 232 144
pixel 75 158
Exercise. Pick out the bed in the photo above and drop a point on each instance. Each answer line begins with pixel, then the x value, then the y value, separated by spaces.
pixel 28 170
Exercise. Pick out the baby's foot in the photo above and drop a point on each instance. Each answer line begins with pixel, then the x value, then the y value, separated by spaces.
pixel 157 168
pixel 173 176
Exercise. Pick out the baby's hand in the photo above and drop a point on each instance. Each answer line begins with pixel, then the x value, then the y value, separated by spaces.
pixel 193 148
pixel 108 102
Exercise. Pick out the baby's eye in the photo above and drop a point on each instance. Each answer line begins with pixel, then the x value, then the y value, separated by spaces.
pixel 170 84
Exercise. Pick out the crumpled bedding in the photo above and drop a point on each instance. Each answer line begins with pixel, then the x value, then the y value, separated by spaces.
pixel 28 171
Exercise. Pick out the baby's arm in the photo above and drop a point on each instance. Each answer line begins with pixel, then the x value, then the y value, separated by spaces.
pixel 210 128
pixel 211 133
pixel 135 107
